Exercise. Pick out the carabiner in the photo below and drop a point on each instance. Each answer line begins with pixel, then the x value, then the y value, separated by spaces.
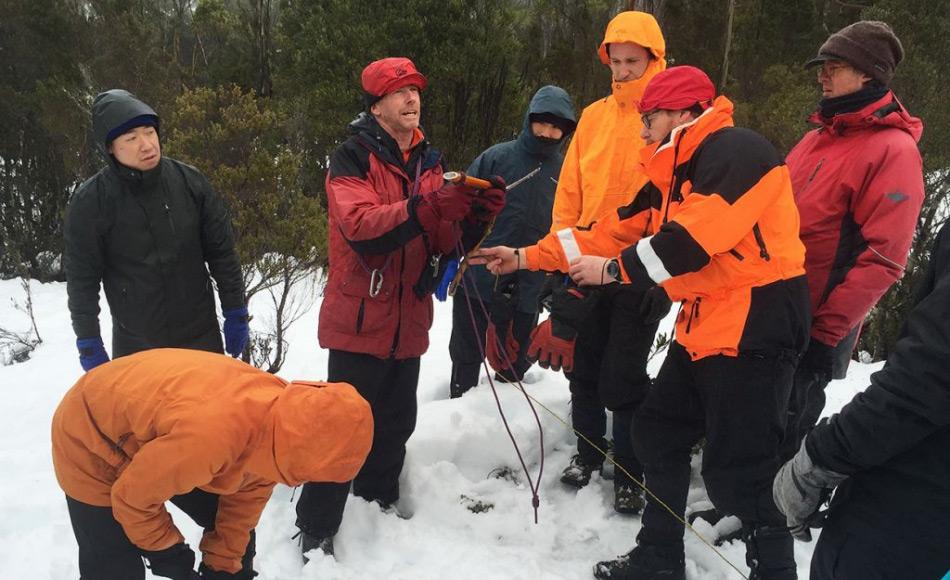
pixel 375 283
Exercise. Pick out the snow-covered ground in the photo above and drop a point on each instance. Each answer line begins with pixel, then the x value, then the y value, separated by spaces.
pixel 451 457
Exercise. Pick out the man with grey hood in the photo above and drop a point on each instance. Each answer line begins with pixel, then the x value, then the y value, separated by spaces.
pixel 511 302
pixel 149 229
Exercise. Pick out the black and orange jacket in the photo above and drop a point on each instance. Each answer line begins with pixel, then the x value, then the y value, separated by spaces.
pixel 717 227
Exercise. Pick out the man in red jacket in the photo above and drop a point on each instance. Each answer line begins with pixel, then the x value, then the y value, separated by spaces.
pixel 393 226
pixel 858 184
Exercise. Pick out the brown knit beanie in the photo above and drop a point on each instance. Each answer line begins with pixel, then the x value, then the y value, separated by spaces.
pixel 868 45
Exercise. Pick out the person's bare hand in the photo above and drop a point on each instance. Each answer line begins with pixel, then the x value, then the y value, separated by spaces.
pixel 498 260
pixel 590 271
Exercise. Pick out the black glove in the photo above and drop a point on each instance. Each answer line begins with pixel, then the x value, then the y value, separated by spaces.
pixel 176 562
pixel 818 358
pixel 799 490
pixel 503 301
pixel 209 574
pixel 551 283
pixel 572 306
pixel 655 305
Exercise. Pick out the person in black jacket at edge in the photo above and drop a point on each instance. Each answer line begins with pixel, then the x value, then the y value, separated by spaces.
pixel 887 455
pixel 511 300
pixel 149 229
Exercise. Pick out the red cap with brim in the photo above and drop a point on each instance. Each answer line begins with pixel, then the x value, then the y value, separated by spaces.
pixel 384 76
pixel 677 88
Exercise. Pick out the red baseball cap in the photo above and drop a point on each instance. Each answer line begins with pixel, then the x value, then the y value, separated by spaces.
pixel 677 88
pixel 384 76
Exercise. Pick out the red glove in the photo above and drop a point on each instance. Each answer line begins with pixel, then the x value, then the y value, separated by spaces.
pixel 550 350
pixel 490 202
pixel 450 203
pixel 498 361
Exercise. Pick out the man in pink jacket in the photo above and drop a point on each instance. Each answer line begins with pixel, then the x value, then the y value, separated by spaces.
pixel 858 183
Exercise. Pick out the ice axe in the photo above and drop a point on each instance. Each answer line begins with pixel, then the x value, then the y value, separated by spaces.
pixel 461 177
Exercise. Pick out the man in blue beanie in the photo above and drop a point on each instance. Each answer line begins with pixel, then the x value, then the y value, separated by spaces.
pixel 149 229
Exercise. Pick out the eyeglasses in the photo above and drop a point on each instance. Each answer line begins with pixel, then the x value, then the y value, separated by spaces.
pixel 829 70
pixel 648 119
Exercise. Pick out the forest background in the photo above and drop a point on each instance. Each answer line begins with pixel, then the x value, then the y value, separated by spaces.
pixel 258 93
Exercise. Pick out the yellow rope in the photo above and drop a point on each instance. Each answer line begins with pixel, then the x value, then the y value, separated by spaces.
pixel 616 465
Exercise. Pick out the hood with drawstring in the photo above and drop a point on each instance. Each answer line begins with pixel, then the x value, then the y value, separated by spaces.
pixel 601 168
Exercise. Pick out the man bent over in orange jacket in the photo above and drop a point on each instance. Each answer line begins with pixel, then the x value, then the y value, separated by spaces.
pixel 206 432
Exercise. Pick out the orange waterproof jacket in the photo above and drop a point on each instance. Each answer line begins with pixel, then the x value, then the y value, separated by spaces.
pixel 599 173
pixel 143 428
pixel 717 227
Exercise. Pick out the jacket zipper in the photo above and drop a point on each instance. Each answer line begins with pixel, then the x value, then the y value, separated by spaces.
pixel 359 315
pixel 693 311
pixel 814 173
pixel 168 215
pixel 402 267
pixel 763 251
pixel 737 255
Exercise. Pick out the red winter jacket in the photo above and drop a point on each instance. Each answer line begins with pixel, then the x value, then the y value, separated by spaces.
pixel 858 183
pixel 376 239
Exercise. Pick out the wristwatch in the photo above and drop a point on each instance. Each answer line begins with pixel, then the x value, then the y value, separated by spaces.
pixel 613 269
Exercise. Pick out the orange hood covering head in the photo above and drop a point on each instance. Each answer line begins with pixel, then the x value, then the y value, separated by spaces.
pixel 636 27
pixel 315 432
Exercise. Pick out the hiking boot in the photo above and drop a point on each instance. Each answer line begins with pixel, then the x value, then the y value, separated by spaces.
pixel 643 563
pixel 308 543
pixel 628 499
pixel 578 473
pixel 394 509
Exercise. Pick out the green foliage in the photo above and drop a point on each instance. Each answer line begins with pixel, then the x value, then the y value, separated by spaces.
pixel 236 139
pixel 258 93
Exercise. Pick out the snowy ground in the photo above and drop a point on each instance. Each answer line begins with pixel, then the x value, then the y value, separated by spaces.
pixel 456 446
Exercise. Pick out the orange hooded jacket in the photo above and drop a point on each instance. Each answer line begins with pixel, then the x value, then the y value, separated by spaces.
pixel 601 171
pixel 717 227
pixel 137 431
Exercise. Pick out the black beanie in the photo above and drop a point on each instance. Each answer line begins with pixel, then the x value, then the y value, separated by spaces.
pixel 565 125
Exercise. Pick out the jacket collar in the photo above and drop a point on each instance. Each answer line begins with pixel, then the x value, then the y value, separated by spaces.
pixel 661 159
pixel 628 94
pixel 884 112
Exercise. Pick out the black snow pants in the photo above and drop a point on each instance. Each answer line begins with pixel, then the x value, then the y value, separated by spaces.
pixel 464 342
pixel 389 385
pixel 739 404
pixel 106 553
pixel 610 359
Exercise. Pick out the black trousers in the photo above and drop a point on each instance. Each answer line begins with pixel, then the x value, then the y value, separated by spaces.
pixel 805 407
pixel 740 405
pixel 389 385
pixel 464 346
pixel 105 551
pixel 610 359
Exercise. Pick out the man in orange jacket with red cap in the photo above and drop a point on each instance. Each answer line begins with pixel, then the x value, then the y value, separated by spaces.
pixel 715 228
pixel 206 432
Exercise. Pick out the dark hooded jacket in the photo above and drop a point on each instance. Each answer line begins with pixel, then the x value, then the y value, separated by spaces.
pixel 893 439
pixel 526 217
pixel 150 237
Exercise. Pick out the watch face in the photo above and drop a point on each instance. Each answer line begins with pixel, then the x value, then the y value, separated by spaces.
pixel 613 269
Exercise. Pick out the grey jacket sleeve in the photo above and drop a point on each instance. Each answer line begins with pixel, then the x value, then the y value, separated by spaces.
pixel 84 258
pixel 909 399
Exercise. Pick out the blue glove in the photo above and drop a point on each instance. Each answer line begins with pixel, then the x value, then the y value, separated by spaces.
pixel 92 353
pixel 236 331
pixel 442 292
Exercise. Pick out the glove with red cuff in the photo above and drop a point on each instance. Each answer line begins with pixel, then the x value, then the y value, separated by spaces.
pixel 552 341
pixel 502 354
pixel 450 203
pixel 489 202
